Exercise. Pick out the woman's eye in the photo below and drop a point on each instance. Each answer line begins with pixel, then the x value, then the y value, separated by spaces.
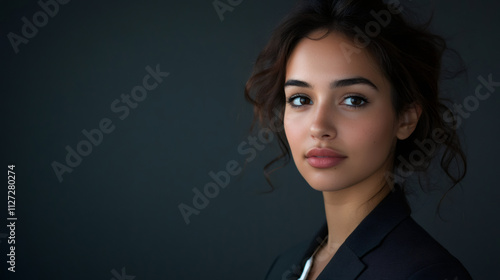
pixel 355 101
pixel 297 101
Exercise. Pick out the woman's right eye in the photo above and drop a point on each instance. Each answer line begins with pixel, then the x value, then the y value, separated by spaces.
pixel 299 100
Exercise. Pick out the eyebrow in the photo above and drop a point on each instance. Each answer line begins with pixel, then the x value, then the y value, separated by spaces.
pixel 335 84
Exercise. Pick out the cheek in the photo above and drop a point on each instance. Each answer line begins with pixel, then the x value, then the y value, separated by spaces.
pixel 294 131
pixel 373 137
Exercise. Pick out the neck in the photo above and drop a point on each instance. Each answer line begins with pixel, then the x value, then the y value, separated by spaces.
pixel 346 208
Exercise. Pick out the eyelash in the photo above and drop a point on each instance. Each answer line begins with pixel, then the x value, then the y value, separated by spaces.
pixel 295 96
pixel 362 98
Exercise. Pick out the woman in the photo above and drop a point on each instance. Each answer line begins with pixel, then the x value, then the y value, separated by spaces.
pixel 354 88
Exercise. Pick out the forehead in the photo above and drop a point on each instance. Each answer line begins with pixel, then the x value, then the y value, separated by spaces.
pixel 322 56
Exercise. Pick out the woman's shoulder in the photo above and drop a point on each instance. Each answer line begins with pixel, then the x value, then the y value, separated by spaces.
pixel 407 252
pixel 411 252
pixel 387 244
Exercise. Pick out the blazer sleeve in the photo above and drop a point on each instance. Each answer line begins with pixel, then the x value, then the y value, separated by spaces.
pixel 442 271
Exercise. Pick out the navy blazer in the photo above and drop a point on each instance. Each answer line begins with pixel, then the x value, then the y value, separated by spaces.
pixel 387 244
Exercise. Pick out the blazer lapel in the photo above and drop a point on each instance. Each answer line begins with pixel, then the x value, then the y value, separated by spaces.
pixel 346 264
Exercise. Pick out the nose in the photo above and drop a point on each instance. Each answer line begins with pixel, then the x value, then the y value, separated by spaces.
pixel 323 123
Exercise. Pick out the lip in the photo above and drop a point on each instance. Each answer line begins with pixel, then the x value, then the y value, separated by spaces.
pixel 324 157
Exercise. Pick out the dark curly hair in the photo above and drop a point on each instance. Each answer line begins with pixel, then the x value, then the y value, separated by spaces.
pixel 410 57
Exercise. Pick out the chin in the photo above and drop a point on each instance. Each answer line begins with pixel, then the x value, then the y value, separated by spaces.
pixel 326 180
pixel 328 187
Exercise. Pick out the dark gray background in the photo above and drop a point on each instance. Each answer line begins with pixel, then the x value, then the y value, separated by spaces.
pixel 119 207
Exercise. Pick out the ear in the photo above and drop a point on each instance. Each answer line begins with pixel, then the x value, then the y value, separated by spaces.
pixel 408 121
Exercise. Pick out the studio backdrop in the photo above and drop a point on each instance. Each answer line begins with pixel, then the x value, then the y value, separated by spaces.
pixel 127 150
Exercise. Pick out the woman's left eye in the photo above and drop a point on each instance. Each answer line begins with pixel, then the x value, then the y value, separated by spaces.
pixel 355 101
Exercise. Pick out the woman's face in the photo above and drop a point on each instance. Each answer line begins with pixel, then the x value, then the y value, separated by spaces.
pixel 339 120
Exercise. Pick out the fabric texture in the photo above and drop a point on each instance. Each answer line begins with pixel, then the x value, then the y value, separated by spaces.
pixel 388 244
